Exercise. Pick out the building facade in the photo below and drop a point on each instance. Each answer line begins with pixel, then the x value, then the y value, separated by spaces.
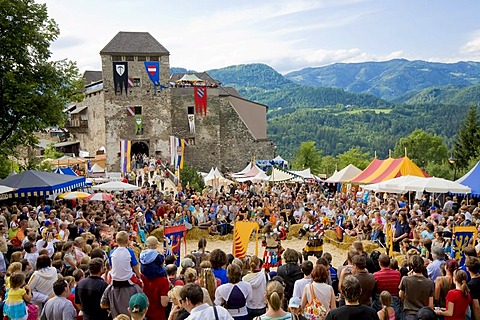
pixel 132 100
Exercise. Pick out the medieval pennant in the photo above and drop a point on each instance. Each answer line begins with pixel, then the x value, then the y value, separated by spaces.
pixel 130 111
pixel 153 70
pixel 200 94
pixel 120 76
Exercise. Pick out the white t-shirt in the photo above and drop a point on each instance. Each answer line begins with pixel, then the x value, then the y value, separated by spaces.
pixel 122 260
pixel 299 286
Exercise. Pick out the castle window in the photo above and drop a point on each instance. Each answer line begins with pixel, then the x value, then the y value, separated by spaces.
pixel 136 82
pixel 138 110
pixel 191 141
pixel 129 58
pixel 141 58
pixel 116 58
pixel 190 110
pixel 153 58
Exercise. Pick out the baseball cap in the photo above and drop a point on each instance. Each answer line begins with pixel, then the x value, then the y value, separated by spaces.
pixel 294 302
pixel 433 208
pixel 138 303
pixel 47 223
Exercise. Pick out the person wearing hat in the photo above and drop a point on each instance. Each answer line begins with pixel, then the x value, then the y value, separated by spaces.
pixel 154 277
pixel 138 306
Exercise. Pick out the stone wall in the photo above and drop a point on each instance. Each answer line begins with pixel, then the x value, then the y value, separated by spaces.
pixel 155 111
pixel 94 138
pixel 221 139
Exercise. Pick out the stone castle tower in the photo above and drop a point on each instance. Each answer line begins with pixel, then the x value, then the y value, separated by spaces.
pixel 231 133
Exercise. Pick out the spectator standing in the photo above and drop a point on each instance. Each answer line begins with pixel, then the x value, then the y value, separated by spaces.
pixel 89 292
pixel 352 310
pixel 320 289
pixel 367 280
pixel 473 267
pixel 257 279
pixel 416 291
pixel 234 295
pixel 307 268
pixel 290 272
pixel 433 269
pixel 59 307
pixel 458 299
pixel 191 298
pixel 274 295
pixel 388 280
pixel 138 306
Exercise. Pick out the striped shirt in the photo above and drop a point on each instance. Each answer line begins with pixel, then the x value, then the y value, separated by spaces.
pixel 388 280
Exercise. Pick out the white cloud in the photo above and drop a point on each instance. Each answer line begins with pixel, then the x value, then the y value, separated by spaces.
pixel 471 49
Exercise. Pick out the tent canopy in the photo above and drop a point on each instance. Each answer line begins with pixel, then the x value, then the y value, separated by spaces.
pixel 346 174
pixel 280 175
pixel 189 78
pixel 260 176
pixel 115 186
pixel 305 174
pixel 39 183
pixel 245 170
pixel 68 171
pixel 472 179
pixel 96 168
pixel 418 184
pixel 383 170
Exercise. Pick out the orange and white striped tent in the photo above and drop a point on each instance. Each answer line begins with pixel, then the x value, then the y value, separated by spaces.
pixel 383 170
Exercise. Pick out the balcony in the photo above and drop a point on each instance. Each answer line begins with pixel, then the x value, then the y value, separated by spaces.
pixel 77 125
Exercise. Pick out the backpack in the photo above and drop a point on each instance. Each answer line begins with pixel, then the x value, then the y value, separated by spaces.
pixel 314 309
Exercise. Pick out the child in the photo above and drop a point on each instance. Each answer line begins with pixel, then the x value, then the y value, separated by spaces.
pixel 15 307
pixel 387 312
pixel 123 261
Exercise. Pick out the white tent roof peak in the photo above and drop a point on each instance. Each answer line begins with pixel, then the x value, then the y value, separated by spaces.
pixel 344 175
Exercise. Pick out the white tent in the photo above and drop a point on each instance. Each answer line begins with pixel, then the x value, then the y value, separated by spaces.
pixel 344 175
pixel 305 174
pixel 418 184
pixel 260 176
pixel 210 175
pixel 279 175
pixel 243 172
pixel 116 186
pixel 96 168
pixel 280 159
pixel 5 189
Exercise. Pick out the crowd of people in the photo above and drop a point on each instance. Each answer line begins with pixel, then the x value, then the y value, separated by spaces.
pixel 95 260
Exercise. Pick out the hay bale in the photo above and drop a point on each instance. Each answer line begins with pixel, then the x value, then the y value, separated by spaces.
pixel 293 231
pixel 196 233
pixel 369 246
pixel 349 239
pixel 158 233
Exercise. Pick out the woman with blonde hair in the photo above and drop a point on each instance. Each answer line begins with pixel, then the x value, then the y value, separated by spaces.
pixel 256 304
pixel 274 294
pixel 207 279
pixel 190 276
pixel 177 312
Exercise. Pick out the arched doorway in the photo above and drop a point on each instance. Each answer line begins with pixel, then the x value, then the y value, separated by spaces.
pixel 139 151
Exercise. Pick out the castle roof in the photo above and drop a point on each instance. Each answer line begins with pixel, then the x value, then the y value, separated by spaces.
pixel 91 76
pixel 134 42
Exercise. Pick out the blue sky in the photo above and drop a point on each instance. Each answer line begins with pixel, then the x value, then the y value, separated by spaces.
pixel 287 35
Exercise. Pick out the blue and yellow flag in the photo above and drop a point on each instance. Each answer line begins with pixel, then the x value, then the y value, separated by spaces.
pixel 462 237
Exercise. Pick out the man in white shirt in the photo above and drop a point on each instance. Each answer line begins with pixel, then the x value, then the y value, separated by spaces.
pixel 307 267
pixel 191 298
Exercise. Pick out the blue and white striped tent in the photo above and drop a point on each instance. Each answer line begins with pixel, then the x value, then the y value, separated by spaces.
pixel 37 183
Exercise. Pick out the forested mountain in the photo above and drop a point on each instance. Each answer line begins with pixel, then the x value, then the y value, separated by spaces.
pixel 338 120
pixel 389 79
pixel 453 95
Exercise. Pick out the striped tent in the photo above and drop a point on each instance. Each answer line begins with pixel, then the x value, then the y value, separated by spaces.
pixel 38 183
pixel 383 170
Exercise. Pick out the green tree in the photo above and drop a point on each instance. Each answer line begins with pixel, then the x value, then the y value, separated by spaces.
pixel 190 176
pixel 307 156
pixel 328 165
pixel 354 156
pixel 467 141
pixel 33 89
pixel 422 148
pixel 52 153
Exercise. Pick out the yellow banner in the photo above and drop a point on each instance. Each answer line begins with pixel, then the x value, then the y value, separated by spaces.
pixel 241 235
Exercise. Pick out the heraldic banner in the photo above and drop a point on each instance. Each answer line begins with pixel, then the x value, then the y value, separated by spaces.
pixel 153 71
pixel 120 76
pixel 172 239
pixel 462 237
pixel 125 150
pixel 389 240
pixel 241 235
pixel 200 100
pixel 177 149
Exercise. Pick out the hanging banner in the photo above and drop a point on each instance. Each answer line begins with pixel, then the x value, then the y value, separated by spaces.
pixel 125 150
pixel 153 71
pixel 120 76
pixel 172 237
pixel 242 232
pixel 177 149
pixel 462 237
pixel 389 240
pixel 191 123
pixel 200 94
pixel 138 124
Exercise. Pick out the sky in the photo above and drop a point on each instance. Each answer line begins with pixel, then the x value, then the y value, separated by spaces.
pixel 287 35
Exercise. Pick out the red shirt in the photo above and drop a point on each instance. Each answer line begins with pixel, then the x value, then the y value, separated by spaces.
pixel 155 289
pixel 460 304
pixel 388 280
